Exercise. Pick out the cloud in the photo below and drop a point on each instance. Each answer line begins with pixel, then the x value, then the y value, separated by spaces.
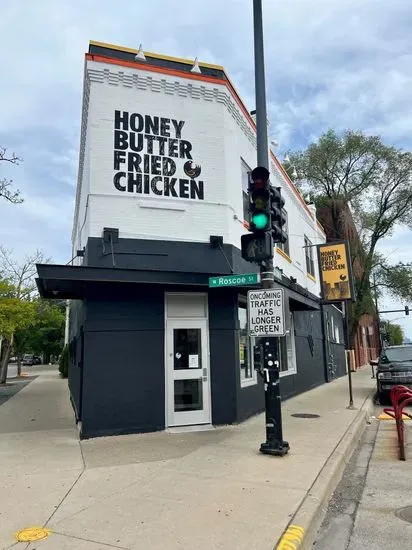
pixel 329 63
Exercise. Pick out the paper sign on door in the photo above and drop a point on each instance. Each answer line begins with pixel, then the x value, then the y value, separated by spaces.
pixel 193 361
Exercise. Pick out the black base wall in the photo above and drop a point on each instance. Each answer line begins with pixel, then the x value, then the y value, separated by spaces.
pixel 117 361
pixel 124 381
pixel 77 319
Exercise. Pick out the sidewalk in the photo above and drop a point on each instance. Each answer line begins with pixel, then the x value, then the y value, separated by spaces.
pixel 205 490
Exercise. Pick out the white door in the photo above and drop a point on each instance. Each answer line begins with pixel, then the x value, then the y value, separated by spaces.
pixel 187 364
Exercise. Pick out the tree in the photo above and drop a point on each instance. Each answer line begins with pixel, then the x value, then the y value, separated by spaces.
pixel 396 279
pixel 21 274
pixel 21 278
pixel 358 172
pixel 46 335
pixel 6 190
pixel 338 166
pixel 394 333
pixel 15 314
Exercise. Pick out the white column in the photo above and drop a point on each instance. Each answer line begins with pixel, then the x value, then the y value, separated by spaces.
pixel 66 330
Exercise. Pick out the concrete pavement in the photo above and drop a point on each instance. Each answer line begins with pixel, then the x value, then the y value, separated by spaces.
pixel 200 490
pixel 368 504
pixel 387 491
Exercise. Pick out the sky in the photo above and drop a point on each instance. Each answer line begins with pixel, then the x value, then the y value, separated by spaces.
pixel 329 63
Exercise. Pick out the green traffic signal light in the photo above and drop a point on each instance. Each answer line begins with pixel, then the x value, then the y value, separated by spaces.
pixel 260 220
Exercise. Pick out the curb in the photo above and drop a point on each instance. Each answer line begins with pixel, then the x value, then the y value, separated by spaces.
pixel 301 532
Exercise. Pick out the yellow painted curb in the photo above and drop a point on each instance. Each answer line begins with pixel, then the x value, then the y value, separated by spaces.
pixel 30 534
pixel 292 538
pixel 385 416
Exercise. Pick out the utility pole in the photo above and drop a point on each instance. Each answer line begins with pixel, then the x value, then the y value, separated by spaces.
pixel 274 444
pixel 347 351
pixel 375 292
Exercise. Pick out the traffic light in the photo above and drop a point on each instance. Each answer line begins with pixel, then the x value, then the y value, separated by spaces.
pixel 406 310
pixel 278 218
pixel 259 194
pixel 257 246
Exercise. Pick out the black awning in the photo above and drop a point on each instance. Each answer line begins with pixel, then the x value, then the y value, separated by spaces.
pixel 71 282
pixel 302 300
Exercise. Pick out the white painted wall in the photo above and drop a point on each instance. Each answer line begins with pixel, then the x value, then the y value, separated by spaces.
pixel 220 135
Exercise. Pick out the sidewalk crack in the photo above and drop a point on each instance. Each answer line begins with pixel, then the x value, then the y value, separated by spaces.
pixel 108 544
pixel 71 488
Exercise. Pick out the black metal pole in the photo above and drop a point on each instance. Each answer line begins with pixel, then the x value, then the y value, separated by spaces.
pixel 375 291
pixel 274 444
pixel 347 346
pixel 266 268
pixel 260 87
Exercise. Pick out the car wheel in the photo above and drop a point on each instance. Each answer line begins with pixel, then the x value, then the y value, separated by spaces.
pixel 384 398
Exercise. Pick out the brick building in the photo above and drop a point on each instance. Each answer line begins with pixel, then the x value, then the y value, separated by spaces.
pixel 338 223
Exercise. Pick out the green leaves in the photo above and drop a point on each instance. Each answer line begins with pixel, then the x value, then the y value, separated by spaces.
pixel 338 166
pixel 15 314
pixel 46 334
pixel 393 332
pixel 396 280
pixel 363 191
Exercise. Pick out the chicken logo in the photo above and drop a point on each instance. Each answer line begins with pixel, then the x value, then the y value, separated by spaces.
pixel 191 169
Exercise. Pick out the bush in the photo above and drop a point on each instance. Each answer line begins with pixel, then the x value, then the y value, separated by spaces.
pixel 64 362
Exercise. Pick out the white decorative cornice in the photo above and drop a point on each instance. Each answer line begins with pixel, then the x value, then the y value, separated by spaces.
pixel 156 83
pixel 83 132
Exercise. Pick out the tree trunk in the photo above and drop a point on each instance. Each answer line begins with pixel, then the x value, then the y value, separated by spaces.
pixel 5 363
pixel 19 366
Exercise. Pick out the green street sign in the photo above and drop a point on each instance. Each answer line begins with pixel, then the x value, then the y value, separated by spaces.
pixel 235 280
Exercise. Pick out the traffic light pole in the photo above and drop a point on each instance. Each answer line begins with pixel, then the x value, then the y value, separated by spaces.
pixel 274 444
pixel 260 87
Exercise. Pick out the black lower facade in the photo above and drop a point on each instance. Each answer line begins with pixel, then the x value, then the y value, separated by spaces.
pixel 151 346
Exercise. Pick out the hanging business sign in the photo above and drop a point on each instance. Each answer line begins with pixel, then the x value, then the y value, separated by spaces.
pixel 335 272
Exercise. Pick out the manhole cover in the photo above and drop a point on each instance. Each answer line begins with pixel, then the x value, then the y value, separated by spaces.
pixel 32 533
pixel 305 415
pixel 404 513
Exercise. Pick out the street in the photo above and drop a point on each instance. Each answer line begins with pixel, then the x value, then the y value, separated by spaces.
pixel 364 510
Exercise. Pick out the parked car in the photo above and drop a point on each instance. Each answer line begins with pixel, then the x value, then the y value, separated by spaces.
pixel 29 359
pixel 394 367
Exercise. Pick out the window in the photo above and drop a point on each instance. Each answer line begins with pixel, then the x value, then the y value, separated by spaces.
pixel 245 185
pixel 285 246
pixel 310 264
pixel 287 348
pixel 248 374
